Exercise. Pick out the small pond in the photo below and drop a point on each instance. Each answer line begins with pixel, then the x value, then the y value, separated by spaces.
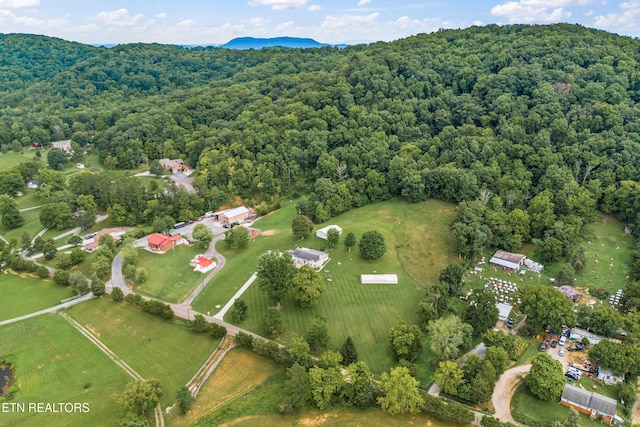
pixel 6 378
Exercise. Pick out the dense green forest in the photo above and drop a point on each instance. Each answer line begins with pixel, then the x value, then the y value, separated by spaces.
pixel 532 128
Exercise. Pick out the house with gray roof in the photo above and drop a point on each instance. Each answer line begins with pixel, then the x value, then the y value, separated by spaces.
pixel 593 404
pixel 312 258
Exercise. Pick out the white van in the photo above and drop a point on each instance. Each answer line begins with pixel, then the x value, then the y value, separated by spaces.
pixel 563 340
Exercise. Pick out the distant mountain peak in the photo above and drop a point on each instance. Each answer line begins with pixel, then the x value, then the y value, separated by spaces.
pixel 260 43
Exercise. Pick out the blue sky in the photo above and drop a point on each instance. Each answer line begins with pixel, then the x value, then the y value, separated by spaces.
pixel 330 21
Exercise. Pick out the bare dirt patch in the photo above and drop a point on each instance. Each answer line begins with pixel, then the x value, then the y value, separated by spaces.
pixel 269 232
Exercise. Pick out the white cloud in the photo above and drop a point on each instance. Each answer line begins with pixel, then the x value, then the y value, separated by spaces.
pixel 258 21
pixel 119 18
pixel 16 4
pixel 279 4
pixel 28 21
pixel 627 21
pixel 531 11
pixel 187 23
pixel 314 8
pixel 284 28
pixel 363 2
pixel 161 15
pixel 5 14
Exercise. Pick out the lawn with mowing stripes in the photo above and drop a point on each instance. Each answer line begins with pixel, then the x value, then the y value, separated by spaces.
pixel 55 363
pixel 25 294
pixel 28 200
pixel 153 347
pixel 31 225
pixel 171 278
pixel 418 247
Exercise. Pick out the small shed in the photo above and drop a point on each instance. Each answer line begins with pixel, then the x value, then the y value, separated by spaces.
pixel 608 377
pixel 507 260
pixel 504 310
pixel 379 279
pixel 202 264
pixel 322 233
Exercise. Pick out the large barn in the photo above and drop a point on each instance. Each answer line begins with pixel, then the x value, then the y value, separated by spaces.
pixel 507 260
pixel 229 216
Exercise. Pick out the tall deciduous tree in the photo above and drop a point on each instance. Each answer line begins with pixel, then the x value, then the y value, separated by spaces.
pixel 333 237
pixel 272 322
pixel 350 241
pixel 203 235
pixel 546 307
pixel 56 159
pixel 481 313
pixel 237 237
pixel 11 217
pixel 372 244
pixel 405 340
pixel 449 376
pixel 452 277
pixel 302 226
pixel 141 396
pixel 400 392
pixel 545 379
pixel 448 336
pixel 275 274
pixel 317 335
pixel 307 286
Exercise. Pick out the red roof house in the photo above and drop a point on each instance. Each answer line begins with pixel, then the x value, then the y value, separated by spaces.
pixel 162 243
pixel 202 264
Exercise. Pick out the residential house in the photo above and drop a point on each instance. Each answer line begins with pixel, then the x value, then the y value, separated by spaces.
pixel 162 243
pixel 202 264
pixel 92 243
pixel 322 233
pixel 230 216
pixel 312 258
pixel 173 165
pixel 32 184
pixel 507 260
pixel 593 404
pixel 65 146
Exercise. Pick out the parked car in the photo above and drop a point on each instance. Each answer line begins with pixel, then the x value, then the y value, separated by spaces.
pixel 561 352
pixel 554 344
pixel 543 347
pixel 563 340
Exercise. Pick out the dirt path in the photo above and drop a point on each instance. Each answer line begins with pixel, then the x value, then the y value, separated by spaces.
pixel 111 355
pixel 210 365
pixel 504 390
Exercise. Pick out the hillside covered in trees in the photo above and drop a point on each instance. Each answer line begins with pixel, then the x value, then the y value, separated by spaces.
pixel 531 128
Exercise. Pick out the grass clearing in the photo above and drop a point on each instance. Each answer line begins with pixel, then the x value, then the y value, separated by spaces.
pixel 26 294
pixel 153 347
pixel 531 411
pixel 11 158
pixel 27 200
pixel 55 363
pixel 418 247
pixel 239 372
pixel 31 225
pixel 171 279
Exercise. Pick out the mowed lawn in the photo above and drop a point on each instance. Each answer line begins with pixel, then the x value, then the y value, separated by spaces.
pixel 55 363
pixel 153 347
pixel 31 225
pixel 25 294
pixel 11 159
pixel 418 247
pixel 171 279
pixel 239 373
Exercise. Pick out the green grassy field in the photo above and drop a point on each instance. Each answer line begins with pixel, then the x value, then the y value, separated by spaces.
pixel 418 247
pixel 24 295
pixel 27 200
pixel 170 276
pixel 531 411
pixel 31 225
pixel 153 347
pixel 7 161
pixel 55 363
